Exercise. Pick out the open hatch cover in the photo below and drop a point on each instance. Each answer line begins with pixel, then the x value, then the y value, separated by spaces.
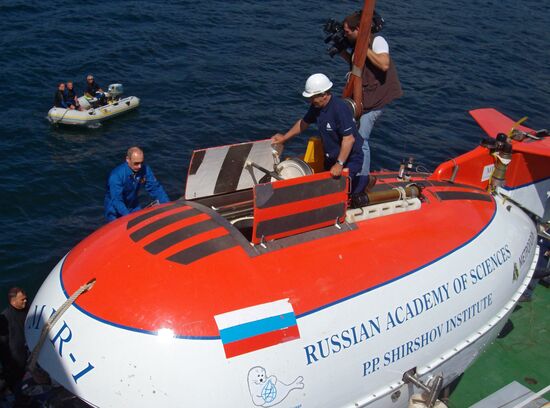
pixel 221 170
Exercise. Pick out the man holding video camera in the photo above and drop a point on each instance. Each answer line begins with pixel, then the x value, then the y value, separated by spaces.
pixel 380 80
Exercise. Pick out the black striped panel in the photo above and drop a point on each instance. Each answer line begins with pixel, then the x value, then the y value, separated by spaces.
pixel 203 249
pixel 301 220
pixel 462 195
pixel 135 221
pixel 267 196
pixel 180 235
pixel 232 167
pixel 198 157
pixel 163 222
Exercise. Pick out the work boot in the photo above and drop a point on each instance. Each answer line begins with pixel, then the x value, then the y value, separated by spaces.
pixel 359 200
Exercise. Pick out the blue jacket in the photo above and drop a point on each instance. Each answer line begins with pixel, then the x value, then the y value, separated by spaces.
pixel 123 187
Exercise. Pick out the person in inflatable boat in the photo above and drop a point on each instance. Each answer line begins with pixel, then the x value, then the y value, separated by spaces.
pixel 60 100
pixel 70 95
pixel 93 90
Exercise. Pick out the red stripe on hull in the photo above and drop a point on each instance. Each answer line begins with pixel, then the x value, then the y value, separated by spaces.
pixel 261 341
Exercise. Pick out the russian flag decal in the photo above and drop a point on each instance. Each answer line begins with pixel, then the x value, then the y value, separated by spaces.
pixel 253 328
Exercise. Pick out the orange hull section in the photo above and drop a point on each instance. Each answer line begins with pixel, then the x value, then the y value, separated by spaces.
pixel 153 291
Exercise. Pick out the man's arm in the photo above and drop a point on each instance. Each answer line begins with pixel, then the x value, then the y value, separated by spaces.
pixel 380 61
pixel 296 129
pixel 379 53
pixel 345 150
pixel 154 188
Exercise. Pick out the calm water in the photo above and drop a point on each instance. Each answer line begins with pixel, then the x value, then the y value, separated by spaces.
pixel 219 72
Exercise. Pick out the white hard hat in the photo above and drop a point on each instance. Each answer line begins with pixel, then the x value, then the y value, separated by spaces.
pixel 316 84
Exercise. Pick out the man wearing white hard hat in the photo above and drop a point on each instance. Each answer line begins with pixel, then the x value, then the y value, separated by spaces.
pixel 341 140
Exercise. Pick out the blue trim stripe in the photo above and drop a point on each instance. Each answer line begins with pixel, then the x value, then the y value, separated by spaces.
pixel 525 185
pixel 257 327
pixel 298 316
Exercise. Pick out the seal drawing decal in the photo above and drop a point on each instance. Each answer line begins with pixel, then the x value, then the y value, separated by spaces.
pixel 268 391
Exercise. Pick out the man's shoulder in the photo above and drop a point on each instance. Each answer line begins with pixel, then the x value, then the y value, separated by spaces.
pixel 380 45
pixel 146 170
pixel 7 314
pixel 340 106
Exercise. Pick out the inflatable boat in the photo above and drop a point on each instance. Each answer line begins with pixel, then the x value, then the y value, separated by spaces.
pixel 92 113
pixel 262 287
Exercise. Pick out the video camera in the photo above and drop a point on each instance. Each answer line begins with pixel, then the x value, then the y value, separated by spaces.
pixel 337 38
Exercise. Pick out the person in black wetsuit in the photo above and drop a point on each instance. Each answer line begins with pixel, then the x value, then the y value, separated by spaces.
pixel 13 347
pixel 59 98
pixel 70 95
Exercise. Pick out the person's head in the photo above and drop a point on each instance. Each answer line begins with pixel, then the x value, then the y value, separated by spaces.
pixel 69 84
pixel 134 158
pixel 317 90
pixel 61 86
pixel 90 79
pixel 17 298
pixel 320 100
pixel 351 26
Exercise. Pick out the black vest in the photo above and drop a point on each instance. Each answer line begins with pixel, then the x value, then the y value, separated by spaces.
pixel 379 87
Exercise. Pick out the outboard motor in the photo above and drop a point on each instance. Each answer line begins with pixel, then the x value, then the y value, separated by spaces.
pixel 115 90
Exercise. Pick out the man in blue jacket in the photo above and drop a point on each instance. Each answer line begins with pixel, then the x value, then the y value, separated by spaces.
pixel 124 183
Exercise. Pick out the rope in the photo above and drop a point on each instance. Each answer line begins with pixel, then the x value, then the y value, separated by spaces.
pixel 403 193
pixel 55 122
pixel 53 320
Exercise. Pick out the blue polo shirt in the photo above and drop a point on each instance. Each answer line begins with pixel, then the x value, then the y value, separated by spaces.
pixel 335 121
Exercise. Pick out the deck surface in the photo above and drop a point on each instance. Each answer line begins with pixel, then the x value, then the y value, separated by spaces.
pixel 523 355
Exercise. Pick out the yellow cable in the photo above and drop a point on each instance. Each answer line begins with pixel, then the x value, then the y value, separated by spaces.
pixel 515 125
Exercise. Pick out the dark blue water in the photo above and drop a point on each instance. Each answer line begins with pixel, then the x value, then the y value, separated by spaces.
pixel 219 72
